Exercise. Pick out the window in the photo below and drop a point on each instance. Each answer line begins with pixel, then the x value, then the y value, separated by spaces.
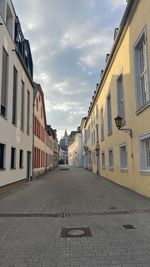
pixel 22 106
pixel 120 95
pixel 2 156
pixel 13 158
pixel 102 125
pixel 14 107
pixel 37 103
pixel 28 112
pixel 123 157
pixel 97 134
pixel 145 153
pixel 21 159
pixel 109 115
pixel 3 110
pixel 96 112
pixel 103 160
pixel 142 88
pixel 110 158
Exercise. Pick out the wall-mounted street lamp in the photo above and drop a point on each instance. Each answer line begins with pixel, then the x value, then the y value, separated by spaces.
pixel 118 122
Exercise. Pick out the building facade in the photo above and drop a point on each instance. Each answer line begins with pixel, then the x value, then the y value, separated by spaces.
pixel 75 157
pixel 16 99
pixel 43 142
pixel 123 156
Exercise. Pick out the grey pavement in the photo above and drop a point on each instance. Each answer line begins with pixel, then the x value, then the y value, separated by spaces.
pixel 31 219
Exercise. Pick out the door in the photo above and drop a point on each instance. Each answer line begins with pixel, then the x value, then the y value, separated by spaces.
pixel 28 166
pixel 98 163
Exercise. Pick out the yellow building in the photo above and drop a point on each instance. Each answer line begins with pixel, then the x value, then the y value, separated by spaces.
pixel 124 90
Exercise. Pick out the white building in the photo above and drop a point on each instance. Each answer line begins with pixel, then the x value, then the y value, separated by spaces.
pixel 16 99
pixel 75 151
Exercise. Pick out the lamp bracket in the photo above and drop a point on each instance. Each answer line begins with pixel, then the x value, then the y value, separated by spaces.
pixel 127 131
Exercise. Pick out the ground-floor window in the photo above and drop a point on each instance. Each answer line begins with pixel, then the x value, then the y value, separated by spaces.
pixel 2 156
pixel 110 159
pixel 123 157
pixel 13 158
pixel 21 159
pixel 145 153
pixel 103 160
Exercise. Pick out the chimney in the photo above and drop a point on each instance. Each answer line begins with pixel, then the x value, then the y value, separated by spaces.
pixel 107 57
pixel 102 71
pixel 115 33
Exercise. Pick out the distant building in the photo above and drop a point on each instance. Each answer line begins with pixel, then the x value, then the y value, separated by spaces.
pixel 75 151
pixel 64 143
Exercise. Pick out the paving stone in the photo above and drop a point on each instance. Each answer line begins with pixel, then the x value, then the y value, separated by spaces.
pixel 34 241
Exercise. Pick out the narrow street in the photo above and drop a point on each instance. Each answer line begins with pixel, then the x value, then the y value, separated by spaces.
pixel 32 217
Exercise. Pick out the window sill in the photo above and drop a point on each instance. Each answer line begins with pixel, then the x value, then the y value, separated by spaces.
pixel 13 168
pixel 145 172
pixel 21 168
pixel 123 169
pixel 142 108
pixel 111 168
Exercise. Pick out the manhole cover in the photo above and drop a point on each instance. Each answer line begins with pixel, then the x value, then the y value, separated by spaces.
pixel 75 232
pixel 128 226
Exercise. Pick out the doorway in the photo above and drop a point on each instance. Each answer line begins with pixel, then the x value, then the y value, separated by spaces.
pixel 28 166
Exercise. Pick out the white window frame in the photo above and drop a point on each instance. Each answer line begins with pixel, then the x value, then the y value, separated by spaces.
pixel 143 159
pixel 111 166
pixel 142 95
pixel 121 98
pixel 109 115
pixel 122 165
pixel 102 124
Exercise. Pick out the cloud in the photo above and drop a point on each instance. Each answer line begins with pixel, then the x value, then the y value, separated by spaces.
pixel 69 41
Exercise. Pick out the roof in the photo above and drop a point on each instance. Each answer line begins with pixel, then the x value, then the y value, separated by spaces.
pixel 131 3
pixel 37 88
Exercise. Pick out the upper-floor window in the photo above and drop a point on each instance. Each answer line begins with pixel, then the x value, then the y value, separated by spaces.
pixel 102 125
pixel 28 112
pixel 97 133
pixel 37 104
pixel 109 115
pixel 14 104
pixel 22 105
pixel 120 96
pixel 141 71
pixel 4 87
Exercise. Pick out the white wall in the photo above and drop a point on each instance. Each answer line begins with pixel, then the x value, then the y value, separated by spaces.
pixel 11 135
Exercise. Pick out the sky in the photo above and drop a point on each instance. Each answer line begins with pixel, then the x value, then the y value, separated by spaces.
pixel 69 41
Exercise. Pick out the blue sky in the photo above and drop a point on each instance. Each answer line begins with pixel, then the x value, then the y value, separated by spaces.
pixel 69 40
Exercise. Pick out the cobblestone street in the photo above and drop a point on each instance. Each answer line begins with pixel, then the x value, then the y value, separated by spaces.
pixel 32 217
